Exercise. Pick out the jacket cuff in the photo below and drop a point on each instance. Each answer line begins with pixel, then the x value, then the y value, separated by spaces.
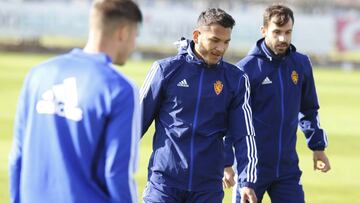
pixel 229 160
pixel 247 184
pixel 317 148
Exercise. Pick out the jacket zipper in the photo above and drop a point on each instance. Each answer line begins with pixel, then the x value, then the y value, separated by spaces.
pixel 281 121
pixel 193 130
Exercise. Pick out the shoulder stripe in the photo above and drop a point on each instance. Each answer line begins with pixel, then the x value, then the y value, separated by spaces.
pixel 150 76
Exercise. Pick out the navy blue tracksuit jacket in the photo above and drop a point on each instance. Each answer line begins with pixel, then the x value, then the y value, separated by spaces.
pixel 194 106
pixel 283 96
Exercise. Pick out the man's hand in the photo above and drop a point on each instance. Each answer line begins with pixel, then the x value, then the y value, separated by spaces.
pixel 228 179
pixel 248 194
pixel 321 162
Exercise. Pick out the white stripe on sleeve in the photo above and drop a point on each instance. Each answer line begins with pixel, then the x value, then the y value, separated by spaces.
pixel 250 140
pixel 247 109
pixel 150 76
pixel 324 133
pixel 135 138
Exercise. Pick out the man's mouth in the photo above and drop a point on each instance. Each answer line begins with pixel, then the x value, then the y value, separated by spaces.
pixel 216 54
pixel 282 45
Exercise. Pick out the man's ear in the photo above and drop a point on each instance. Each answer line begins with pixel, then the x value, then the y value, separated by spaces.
pixel 263 31
pixel 196 34
pixel 123 32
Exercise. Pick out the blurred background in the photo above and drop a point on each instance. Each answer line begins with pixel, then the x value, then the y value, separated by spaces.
pixel 32 31
pixel 328 30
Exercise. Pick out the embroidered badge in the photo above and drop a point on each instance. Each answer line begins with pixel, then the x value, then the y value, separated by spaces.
pixel 218 86
pixel 294 77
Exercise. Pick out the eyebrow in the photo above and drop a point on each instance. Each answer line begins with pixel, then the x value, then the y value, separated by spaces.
pixel 216 38
pixel 277 29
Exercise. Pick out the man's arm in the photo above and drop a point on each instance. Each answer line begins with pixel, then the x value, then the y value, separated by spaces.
pixel 15 156
pixel 228 150
pixel 121 146
pixel 309 121
pixel 243 135
pixel 150 96
pixel 229 174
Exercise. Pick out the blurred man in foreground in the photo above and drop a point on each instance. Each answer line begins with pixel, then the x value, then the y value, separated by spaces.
pixel 78 119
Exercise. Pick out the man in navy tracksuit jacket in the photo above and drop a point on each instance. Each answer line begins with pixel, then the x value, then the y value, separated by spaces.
pixel 283 95
pixel 78 119
pixel 195 98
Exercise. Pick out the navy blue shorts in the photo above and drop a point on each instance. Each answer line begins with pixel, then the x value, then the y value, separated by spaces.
pixel 164 194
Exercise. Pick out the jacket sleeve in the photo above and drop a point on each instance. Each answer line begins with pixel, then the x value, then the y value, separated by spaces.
pixel 15 156
pixel 241 133
pixel 228 150
pixel 150 94
pixel 308 117
pixel 121 145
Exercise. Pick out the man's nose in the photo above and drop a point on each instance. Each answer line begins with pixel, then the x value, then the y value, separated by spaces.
pixel 221 47
pixel 281 38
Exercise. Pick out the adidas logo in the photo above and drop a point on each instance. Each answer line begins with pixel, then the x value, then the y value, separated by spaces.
pixel 61 100
pixel 182 83
pixel 266 81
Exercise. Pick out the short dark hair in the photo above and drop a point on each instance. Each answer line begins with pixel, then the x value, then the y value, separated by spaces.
pixel 215 16
pixel 107 12
pixel 281 13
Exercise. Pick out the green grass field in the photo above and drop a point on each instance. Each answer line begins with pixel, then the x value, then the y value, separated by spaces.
pixel 339 95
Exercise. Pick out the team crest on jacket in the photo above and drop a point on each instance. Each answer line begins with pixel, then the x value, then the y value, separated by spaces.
pixel 294 77
pixel 218 86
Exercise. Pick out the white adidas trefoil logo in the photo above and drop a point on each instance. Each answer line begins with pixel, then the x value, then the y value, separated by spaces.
pixel 61 100
pixel 266 81
pixel 183 83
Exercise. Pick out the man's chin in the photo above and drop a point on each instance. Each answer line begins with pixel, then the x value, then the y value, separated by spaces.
pixel 119 63
pixel 211 63
pixel 214 61
pixel 280 51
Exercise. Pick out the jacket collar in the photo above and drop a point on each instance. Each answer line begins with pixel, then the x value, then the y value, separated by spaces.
pixel 261 50
pixel 100 57
pixel 186 47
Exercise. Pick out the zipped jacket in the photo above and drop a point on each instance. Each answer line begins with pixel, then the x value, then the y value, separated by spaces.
pixel 194 105
pixel 283 96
